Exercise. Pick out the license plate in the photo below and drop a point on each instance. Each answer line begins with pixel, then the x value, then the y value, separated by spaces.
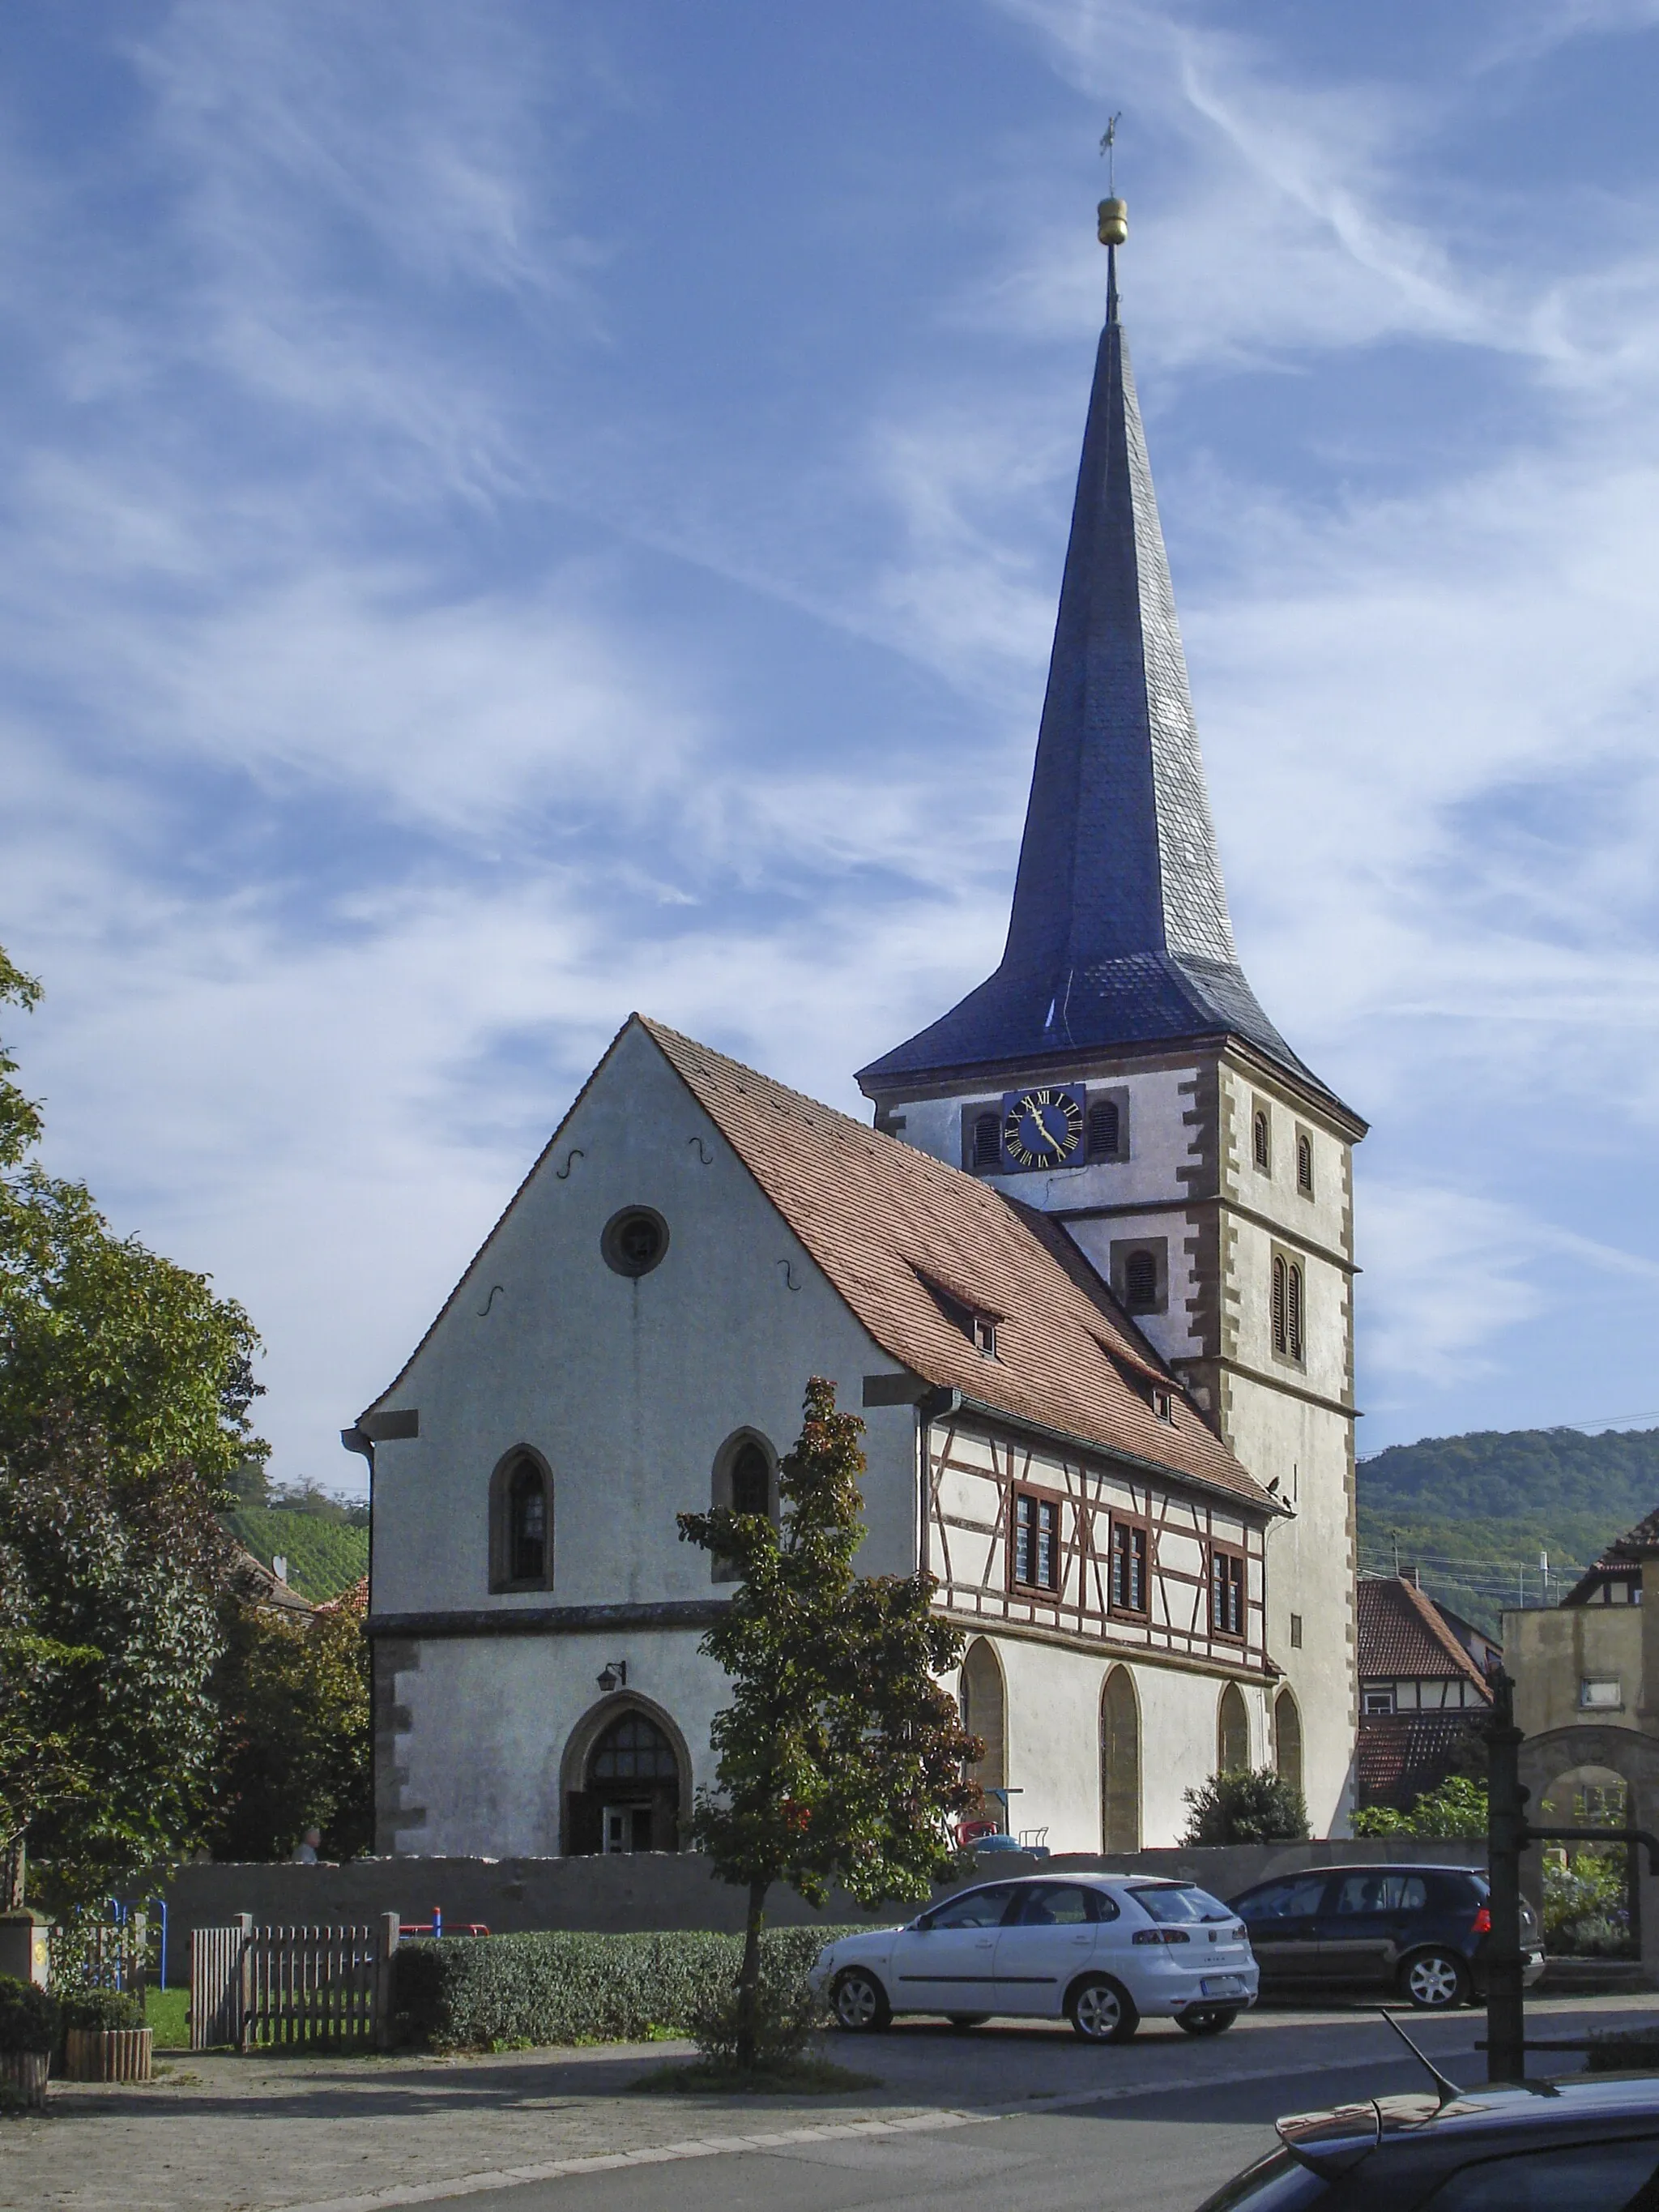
pixel 1222 1985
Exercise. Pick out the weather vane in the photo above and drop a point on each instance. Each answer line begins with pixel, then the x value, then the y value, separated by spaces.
pixel 1114 214
pixel 1109 148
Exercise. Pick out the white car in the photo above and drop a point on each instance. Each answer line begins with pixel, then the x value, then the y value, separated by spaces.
pixel 1105 1951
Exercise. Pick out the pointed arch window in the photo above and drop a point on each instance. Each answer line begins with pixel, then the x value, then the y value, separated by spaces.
pixel 1287 1741
pixel 985 1147
pixel 1294 1300
pixel 1120 1763
pixel 521 1524
pixel 1140 1281
pixel 1281 1275
pixel 1105 1129
pixel 744 1480
pixel 1304 1163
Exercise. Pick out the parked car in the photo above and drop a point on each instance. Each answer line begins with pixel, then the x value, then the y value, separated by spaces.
pixel 1582 2146
pixel 1418 1930
pixel 1104 1951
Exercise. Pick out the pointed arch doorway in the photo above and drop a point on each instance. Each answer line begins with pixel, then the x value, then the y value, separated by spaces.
pixel 624 1781
pixel 1120 1763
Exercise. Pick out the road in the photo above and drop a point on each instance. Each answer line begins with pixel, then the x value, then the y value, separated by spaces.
pixel 1163 2141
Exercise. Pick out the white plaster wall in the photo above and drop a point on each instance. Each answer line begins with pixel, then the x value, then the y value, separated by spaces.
pixel 1053 1739
pixel 1324 1366
pixel 490 1719
pixel 627 1387
pixel 1159 1141
pixel 1173 1331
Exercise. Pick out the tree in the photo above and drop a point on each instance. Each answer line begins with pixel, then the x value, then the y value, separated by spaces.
pixel 113 1578
pixel 297 1742
pixel 840 1757
pixel 125 1385
pixel 1458 1808
pixel 1245 1807
pixel 97 1329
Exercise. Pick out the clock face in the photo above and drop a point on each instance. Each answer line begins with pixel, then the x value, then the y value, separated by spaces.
pixel 1042 1128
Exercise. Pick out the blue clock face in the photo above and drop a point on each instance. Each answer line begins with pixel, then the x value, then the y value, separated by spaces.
pixel 1041 1128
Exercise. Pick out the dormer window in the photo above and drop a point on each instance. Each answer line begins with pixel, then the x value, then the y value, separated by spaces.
pixel 1163 1405
pixel 985 1336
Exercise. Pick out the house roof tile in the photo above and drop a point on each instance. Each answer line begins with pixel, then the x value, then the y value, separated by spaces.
pixel 1402 1636
pixel 891 1226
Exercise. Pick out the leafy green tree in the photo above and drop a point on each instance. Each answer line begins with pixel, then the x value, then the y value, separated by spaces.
pixel 1248 1807
pixel 96 1328
pixel 297 1746
pixel 1458 1808
pixel 126 1385
pixel 113 1578
pixel 840 1757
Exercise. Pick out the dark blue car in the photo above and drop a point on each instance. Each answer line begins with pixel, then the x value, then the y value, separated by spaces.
pixel 1419 1932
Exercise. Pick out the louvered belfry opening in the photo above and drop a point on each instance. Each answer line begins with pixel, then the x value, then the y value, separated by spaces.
pixel 987 1141
pixel 1140 1281
pixel 1104 1127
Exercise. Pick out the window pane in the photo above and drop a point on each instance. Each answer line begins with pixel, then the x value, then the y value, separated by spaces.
pixel 980 1908
pixel 1285 1901
pixel 1174 1902
pixel 1057 1905
pixel 1580 2178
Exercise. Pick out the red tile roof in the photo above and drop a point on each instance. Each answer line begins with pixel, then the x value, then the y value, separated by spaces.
pixel 1635 1543
pixel 1402 1636
pixel 891 1226
pixel 1403 1756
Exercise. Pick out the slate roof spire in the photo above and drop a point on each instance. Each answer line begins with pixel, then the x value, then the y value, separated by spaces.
pixel 1119 934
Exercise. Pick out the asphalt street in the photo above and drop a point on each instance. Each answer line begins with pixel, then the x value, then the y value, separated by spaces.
pixel 1162 2148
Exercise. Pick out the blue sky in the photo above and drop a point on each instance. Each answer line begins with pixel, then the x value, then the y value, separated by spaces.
pixel 517 512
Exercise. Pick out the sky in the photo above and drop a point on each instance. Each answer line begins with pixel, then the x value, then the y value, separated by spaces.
pixel 515 514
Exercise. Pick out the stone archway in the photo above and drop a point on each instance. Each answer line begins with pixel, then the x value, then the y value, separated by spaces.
pixel 624 1781
pixel 1630 1755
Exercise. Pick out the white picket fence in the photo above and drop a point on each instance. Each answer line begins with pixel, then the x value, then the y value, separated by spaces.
pixel 254 1988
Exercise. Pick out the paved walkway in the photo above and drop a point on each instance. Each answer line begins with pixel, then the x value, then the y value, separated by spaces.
pixel 253 2135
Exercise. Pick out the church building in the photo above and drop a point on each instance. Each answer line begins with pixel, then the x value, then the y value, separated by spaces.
pixel 1087 1278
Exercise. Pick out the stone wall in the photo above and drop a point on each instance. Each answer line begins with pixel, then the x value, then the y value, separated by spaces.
pixel 647 1890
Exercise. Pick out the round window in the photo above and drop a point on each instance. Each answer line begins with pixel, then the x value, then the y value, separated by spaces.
pixel 635 1240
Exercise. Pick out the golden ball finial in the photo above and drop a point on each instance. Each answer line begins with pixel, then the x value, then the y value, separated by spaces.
pixel 1114 221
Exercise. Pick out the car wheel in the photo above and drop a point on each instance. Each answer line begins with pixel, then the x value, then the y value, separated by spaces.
pixel 1435 1981
pixel 1207 2019
pixel 1102 2010
pixel 964 2020
pixel 860 2003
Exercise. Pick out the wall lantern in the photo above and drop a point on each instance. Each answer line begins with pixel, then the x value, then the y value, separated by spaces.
pixel 614 1675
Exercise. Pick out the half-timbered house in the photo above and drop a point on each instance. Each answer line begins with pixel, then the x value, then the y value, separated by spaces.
pixel 1088 1279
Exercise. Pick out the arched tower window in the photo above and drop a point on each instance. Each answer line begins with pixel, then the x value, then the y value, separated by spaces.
pixel 1287 1741
pixel 521 1524
pixel 1261 1141
pixel 1140 1281
pixel 1293 1302
pixel 1305 1163
pixel 1280 1302
pixel 1105 1126
pixel 744 1481
pixel 1233 1732
pixel 1120 1763
pixel 985 1714
pixel 987 1141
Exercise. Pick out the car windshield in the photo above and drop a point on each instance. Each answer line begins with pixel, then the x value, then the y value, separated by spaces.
pixel 1178 1900
pixel 1278 2183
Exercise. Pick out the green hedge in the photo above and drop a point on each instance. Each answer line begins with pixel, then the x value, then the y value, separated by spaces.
pixel 471 1992
pixel 28 2016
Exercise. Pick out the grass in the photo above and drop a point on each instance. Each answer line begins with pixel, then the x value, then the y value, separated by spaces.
pixel 784 2077
pixel 165 2011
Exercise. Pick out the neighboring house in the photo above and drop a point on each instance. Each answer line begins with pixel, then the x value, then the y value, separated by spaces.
pixel 265 1586
pixel 1584 1661
pixel 1088 1279
pixel 1423 1674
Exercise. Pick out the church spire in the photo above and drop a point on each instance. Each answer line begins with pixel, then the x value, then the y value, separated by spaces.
pixel 1119 935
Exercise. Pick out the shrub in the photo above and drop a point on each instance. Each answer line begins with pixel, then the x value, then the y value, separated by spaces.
pixel 1622 2051
pixel 1458 1808
pixel 100 2010
pixel 28 2016
pixel 471 1992
pixel 1245 1807
pixel 785 2017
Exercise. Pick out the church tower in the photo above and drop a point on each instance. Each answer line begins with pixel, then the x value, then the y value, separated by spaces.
pixel 1117 1073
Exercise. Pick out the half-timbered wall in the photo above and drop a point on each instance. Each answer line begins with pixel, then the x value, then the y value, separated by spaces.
pixel 976 1481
